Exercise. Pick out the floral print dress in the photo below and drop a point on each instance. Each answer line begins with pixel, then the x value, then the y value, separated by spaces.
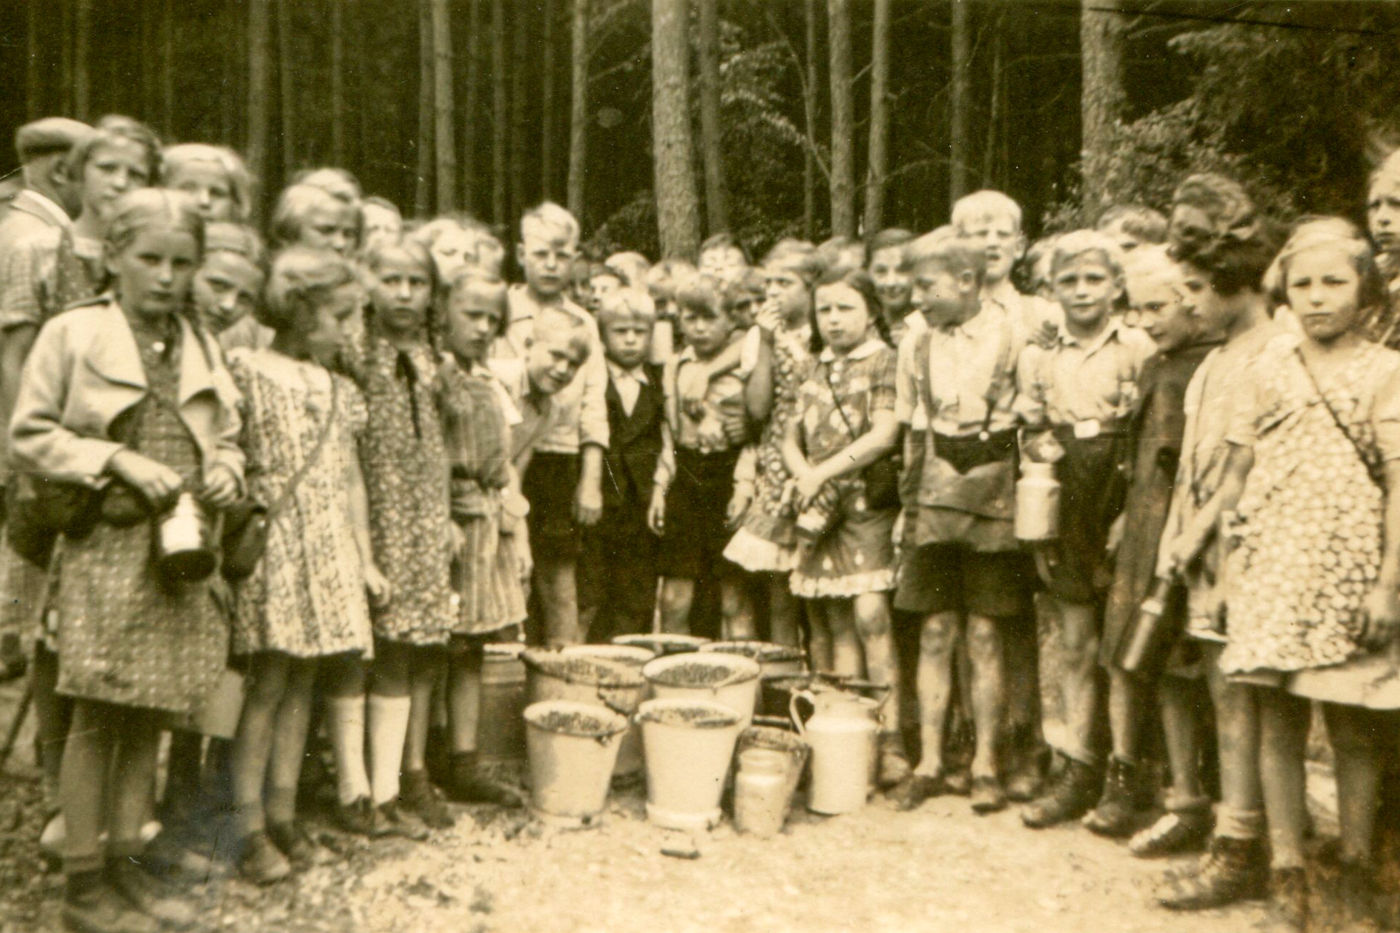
pixel 1305 545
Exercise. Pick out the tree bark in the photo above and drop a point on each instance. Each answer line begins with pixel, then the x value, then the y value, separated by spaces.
pixel 471 107
pixel 877 160
pixel 547 95
pixel 998 91
pixel 423 178
pixel 711 130
pixel 259 86
pixel 677 202
pixel 520 71
pixel 82 78
pixel 499 114
pixel 960 104
pixel 843 161
pixel 809 114
pixel 578 107
pixel 442 108
pixel 337 83
pixel 286 93
pixel 1101 41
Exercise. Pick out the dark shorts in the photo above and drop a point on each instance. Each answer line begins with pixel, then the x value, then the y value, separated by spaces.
pixel 550 482
pixel 1093 490
pixel 692 547
pixel 953 578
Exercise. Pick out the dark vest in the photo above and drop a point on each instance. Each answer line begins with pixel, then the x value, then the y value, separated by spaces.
pixel 634 442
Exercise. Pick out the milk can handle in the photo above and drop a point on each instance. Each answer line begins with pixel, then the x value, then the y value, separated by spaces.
pixel 792 709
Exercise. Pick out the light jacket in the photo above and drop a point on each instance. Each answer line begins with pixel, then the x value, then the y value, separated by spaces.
pixel 85 370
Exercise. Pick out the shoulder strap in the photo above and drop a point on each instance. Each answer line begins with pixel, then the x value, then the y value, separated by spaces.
pixel 922 370
pixel 826 374
pixel 1372 469
pixel 312 459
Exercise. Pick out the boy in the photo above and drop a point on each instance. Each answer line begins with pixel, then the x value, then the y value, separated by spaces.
pixel 694 478
pixel 961 573
pixel 1161 292
pixel 993 220
pixel 1132 225
pixel 1204 208
pixel 617 572
pixel 723 257
pixel 1076 400
pixel 564 480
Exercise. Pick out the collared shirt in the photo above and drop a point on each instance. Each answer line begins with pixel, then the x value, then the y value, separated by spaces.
pixel 1083 380
pixel 962 363
pixel 1030 311
pixel 29 239
pixel 580 409
pixel 628 383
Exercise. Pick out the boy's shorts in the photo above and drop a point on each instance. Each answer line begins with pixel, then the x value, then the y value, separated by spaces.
pixel 695 530
pixel 550 483
pixel 952 578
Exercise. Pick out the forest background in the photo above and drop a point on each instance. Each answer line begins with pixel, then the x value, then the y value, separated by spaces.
pixel 662 121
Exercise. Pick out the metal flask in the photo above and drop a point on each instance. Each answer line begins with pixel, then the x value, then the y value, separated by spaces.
pixel 1037 515
pixel 184 551
pixel 1160 618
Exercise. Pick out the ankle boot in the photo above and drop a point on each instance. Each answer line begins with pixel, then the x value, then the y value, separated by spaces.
pixel 1071 795
pixel 1117 812
pixel 1231 870
pixel 1288 899
pixel 467 784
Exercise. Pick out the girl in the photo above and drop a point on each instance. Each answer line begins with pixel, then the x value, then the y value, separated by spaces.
pixel 303 610
pixel 228 284
pixel 844 420
pixel 307 215
pixel 765 540
pixel 493 548
pixel 120 156
pixel 122 395
pixel 214 176
pixel 1312 581
pixel 405 467
pixel 455 243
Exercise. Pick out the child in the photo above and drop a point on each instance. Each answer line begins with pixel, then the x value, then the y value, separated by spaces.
pixel 961 571
pixel 723 257
pixel 452 242
pixel 382 220
pixel 694 477
pixel 663 281
pixel 1132 225
pixel 404 461
pixel 1312 579
pixel 765 541
pixel 632 266
pixel 618 569
pixel 845 421
pixel 1382 323
pixel 228 283
pixel 1079 397
pixel 143 418
pixel 841 252
pixel 214 176
pixel 1161 292
pixel 1233 303
pixel 303 611
pixel 337 182
pixel 493 417
pixel 564 482
pixel 307 215
pixel 891 278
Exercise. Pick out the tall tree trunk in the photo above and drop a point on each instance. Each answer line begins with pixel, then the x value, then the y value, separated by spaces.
pixel 1101 40
pixel 677 202
pixel 444 142
pixel 877 160
pixel 82 76
pixel 960 106
pixel 286 100
pixel 65 57
pixel 711 130
pixel 423 180
pixel 471 108
pixel 337 83
pixel 809 115
pixel 547 95
pixel 998 90
pixel 500 115
pixel 578 106
pixel 168 47
pixel 843 162
pixel 33 77
pixel 259 86
pixel 151 64
pixel 520 71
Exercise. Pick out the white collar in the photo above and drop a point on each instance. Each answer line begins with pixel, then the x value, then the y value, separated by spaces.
pixel 638 372
pixel 1113 331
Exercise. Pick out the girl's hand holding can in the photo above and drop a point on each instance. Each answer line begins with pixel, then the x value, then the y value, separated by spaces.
pixel 156 481
pixel 220 488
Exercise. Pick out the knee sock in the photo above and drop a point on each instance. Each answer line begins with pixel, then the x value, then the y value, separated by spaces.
pixel 348 741
pixel 388 727
pixel 1239 824
pixel 281 804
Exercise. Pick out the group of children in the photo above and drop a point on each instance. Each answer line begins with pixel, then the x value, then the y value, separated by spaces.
pixel 821 449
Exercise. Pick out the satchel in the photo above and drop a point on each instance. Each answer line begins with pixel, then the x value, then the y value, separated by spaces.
pixel 881 478
pixel 41 509
pixel 244 539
